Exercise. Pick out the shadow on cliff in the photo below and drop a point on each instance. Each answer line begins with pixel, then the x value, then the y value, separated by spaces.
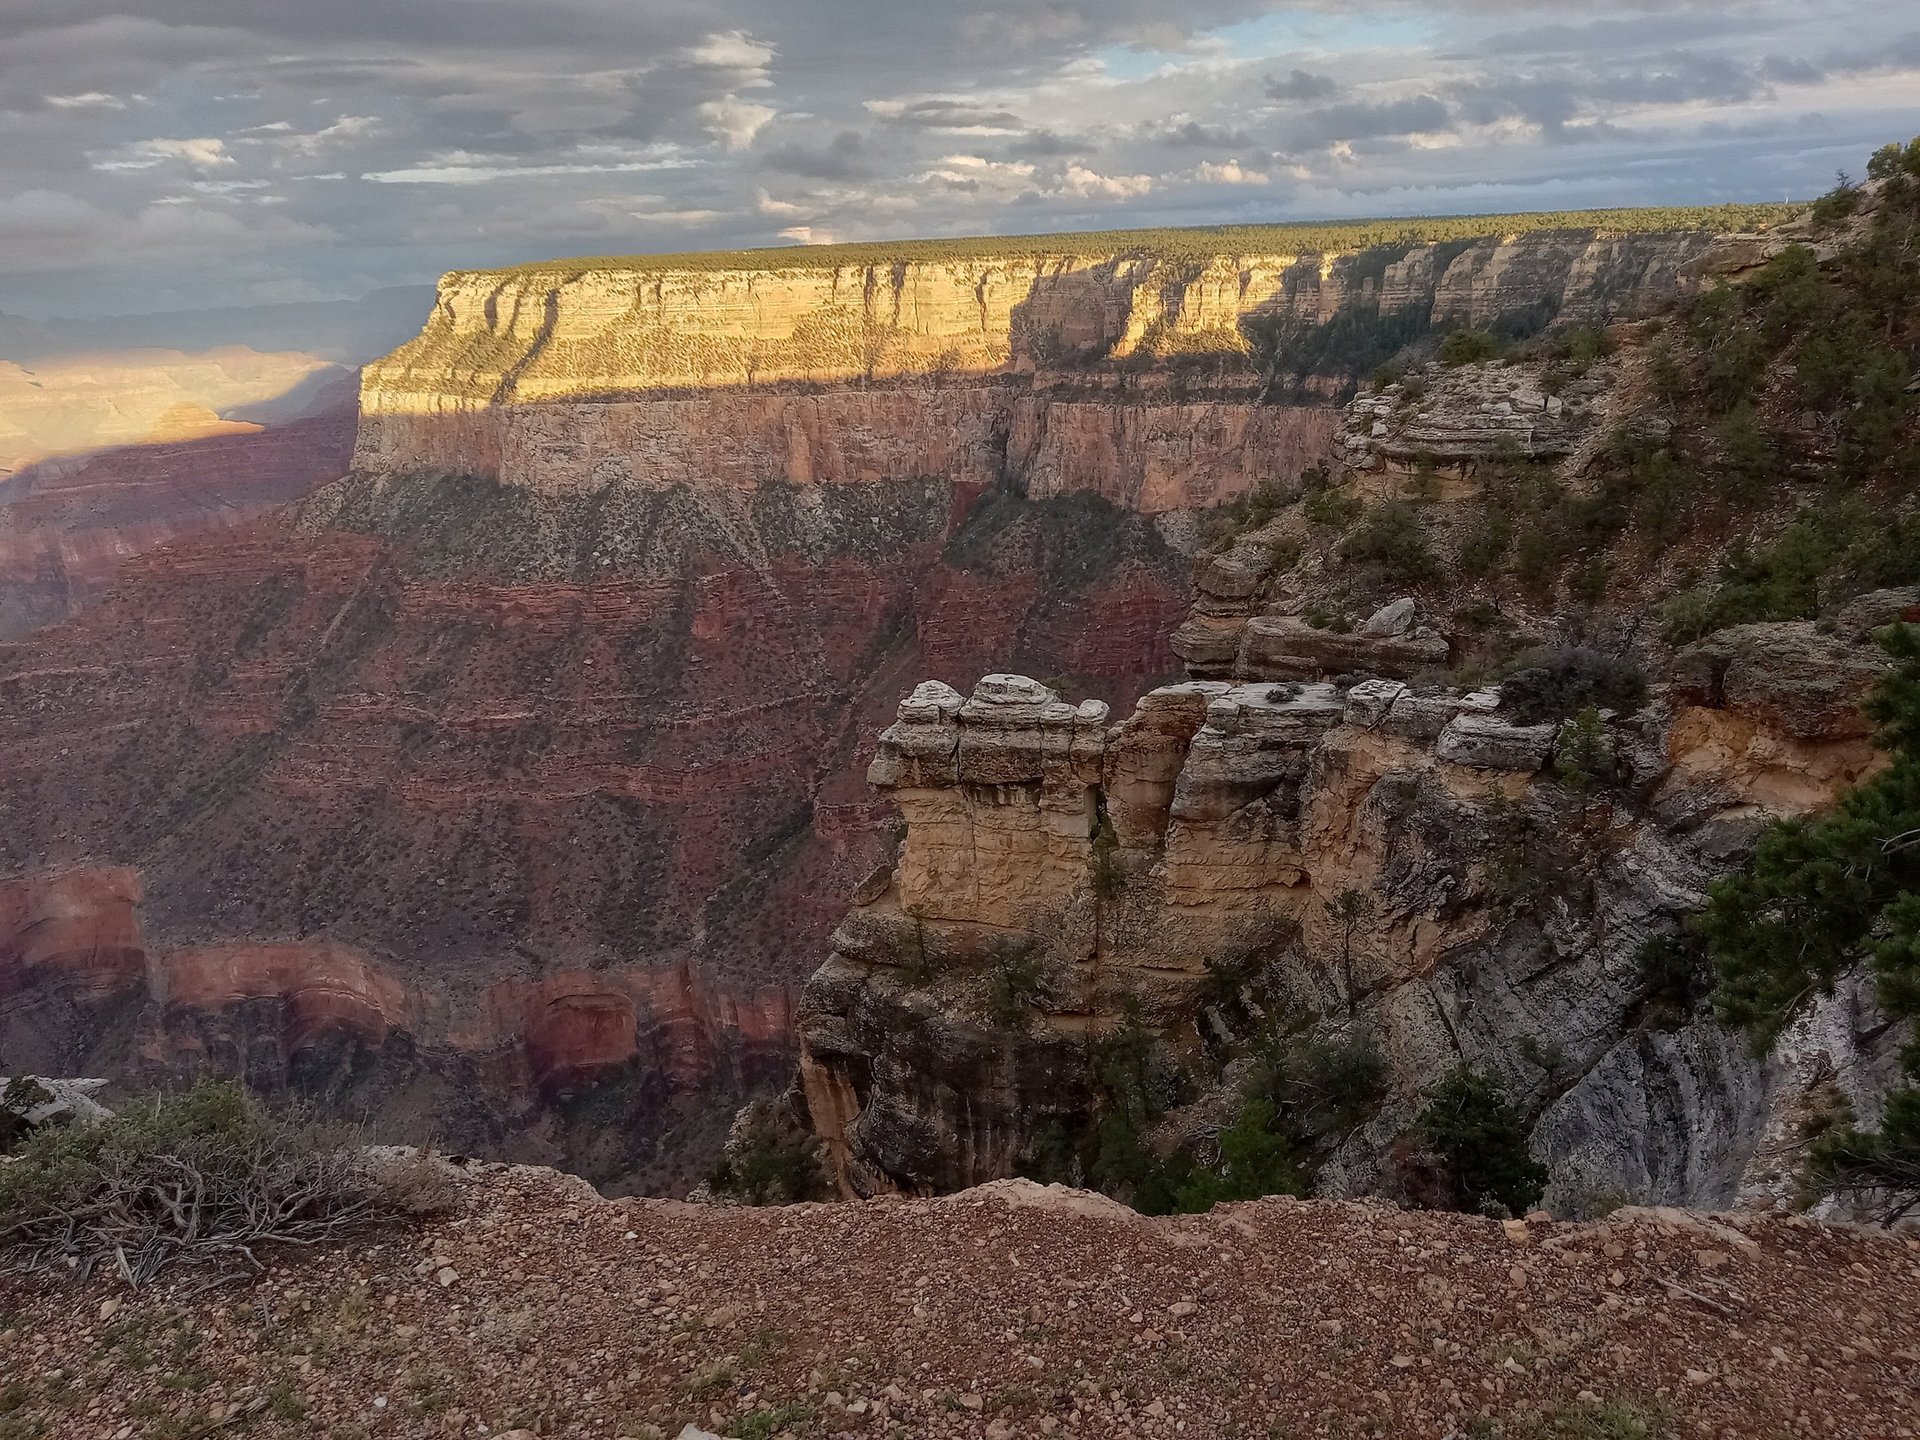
pixel 68 522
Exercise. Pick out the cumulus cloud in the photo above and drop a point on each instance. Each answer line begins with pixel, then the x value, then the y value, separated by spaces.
pixel 1085 184
pixel 734 122
pixel 735 50
pixel 1230 173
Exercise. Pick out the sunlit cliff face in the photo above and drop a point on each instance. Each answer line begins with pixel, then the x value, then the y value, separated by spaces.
pixel 82 403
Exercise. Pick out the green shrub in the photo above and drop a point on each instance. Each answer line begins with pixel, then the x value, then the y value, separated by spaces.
pixel 1890 162
pixel 23 1094
pixel 1748 459
pixel 1108 878
pixel 1331 508
pixel 1256 1159
pixel 1392 538
pixel 1674 975
pixel 1583 756
pixel 1320 1087
pixel 1484 547
pixel 1469 347
pixel 1665 373
pixel 1480 1141
pixel 1827 553
pixel 1579 348
pixel 1557 684
pixel 1839 202
pixel 1017 983
pixel 773 1163
pixel 203 1177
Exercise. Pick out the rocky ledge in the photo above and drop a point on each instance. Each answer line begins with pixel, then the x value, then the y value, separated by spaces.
pixel 538 1309
pixel 1188 868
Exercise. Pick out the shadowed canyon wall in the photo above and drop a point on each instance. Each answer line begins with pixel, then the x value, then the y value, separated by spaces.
pixel 67 524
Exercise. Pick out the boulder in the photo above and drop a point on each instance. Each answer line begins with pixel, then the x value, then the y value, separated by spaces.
pixel 1792 677
pixel 1487 742
pixel 1390 622
pixel 1859 618
pixel 1368 703
pixel 1286 647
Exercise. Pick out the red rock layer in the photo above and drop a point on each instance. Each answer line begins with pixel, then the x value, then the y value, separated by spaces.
pixel 532 861
pixel 66 525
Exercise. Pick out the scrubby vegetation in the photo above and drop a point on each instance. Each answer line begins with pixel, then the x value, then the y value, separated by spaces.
pixel 1393 540
pixel 1189 243
pixel 769 1161
pixel 1016 984
pixel 1555 685
pixel 1478 1140
pixel 1469 347
pixel 1301 1096
pixel 1822 899
pixel 18 1100
pixel 207 1177
pixel 1768 470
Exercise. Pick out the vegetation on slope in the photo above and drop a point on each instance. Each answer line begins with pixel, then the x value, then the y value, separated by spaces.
pixel 1766 465
pixel 206 1177
pixel 1822 898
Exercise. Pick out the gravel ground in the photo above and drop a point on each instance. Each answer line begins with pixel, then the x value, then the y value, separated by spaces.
pixel 1007 1311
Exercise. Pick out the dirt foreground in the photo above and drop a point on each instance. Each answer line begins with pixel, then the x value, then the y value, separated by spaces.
pixel 1006 1311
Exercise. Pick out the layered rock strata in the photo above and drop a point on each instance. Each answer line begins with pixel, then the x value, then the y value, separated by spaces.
pixel 1461 416
pixel 1187 859
pixel 68 524
pixel 515 815
pixel 803 371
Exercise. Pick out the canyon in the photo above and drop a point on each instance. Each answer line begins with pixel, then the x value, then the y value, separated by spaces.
pixel 104 456
pixel 507 789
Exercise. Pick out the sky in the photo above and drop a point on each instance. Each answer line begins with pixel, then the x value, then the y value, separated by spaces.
pixel 184 153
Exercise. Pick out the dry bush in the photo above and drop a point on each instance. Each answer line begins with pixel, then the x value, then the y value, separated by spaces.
pixel 205 1177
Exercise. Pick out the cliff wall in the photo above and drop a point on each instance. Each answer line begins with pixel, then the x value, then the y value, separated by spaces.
pixel 511 779
pixel 771 370
pixel 1186 867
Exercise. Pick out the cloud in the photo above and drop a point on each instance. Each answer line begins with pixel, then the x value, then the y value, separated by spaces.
pixel 806 235
pixel 521 129
pixel 735 50
pixel 734 122
pixel 342 130
pixel 1344 124
pixel 1300 85
pixel 844 157
pixel 1087 184
pixel 950 115
pixel 46 232
pixel 88 100
pixel 1193 133
pixel 202 154
pixel 462 168
pixel 1230 173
